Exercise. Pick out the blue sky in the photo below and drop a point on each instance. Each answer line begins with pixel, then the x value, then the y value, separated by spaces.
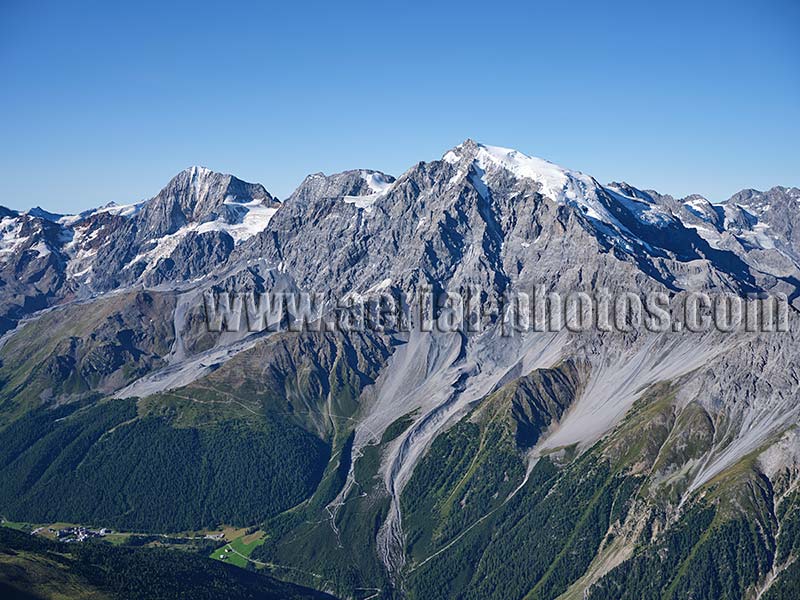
pixel 103 102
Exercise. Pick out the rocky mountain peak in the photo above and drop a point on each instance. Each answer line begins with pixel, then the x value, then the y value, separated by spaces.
pixel 7 212
pixel 496 206
pixel 351 183
pixel 776 195
pixel 555 182
pixel 38 211
pixel 196 195
pixel 198 189
pixel 630 191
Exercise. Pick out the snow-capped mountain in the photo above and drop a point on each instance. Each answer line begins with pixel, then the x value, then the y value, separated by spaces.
pixel 452 460
pixel 201 219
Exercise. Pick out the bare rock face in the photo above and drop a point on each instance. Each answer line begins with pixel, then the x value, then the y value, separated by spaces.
pixel 689 420
pixel 191 226
pixel 775 210
pixel 193 196
pixel 340 185
pixel 32 266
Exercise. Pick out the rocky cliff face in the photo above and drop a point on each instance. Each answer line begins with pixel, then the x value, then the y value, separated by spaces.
pixel 458 460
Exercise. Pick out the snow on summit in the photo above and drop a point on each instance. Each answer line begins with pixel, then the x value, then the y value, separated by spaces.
pixel 561 185
pixel 556 182
pixel 378 183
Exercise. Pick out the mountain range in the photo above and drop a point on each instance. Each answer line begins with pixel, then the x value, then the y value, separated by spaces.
pixel 414 464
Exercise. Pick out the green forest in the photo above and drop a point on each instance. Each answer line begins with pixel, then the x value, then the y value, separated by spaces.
pixel 102 465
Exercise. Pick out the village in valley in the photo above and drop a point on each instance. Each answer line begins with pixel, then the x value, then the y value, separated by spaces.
pixel 229 544
pixel 74 534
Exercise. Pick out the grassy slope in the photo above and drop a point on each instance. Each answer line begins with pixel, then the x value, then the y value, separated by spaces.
pixel 79 349
pixel 239 549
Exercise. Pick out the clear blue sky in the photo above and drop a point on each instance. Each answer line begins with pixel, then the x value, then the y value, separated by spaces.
pixel 101 102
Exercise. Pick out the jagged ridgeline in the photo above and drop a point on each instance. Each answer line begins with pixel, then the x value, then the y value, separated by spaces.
pixel 407 464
